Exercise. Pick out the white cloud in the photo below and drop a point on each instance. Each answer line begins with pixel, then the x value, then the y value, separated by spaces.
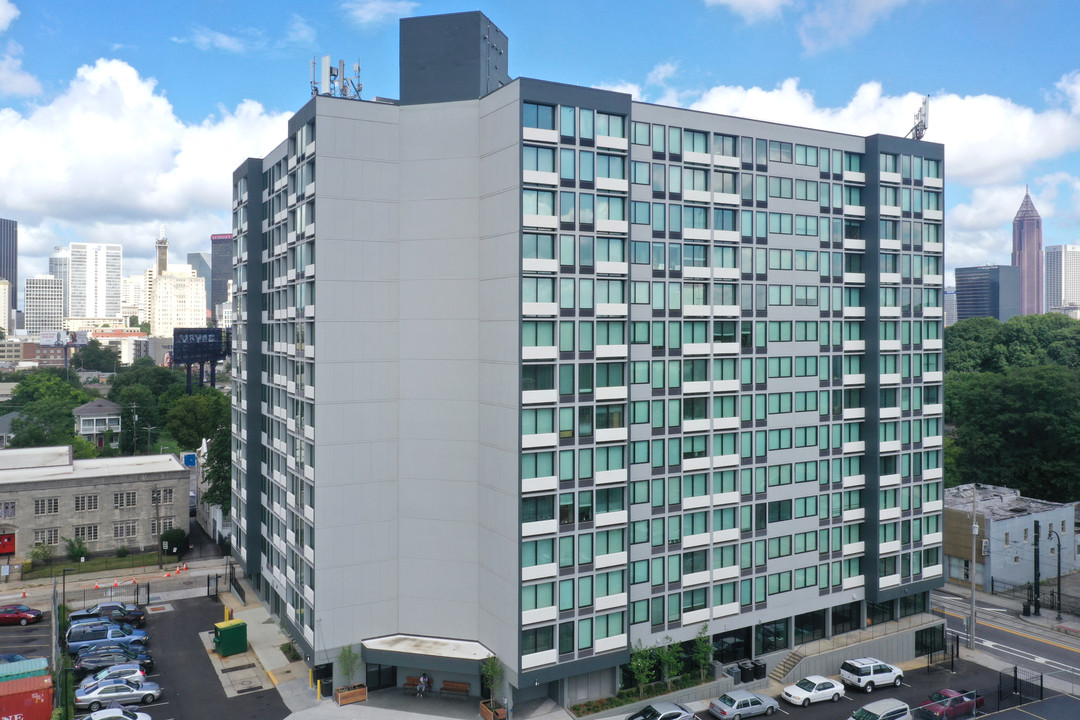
pixel 629 88
pixel 660 74
pixel 299 31
pixel 752 10
pixel 372 12
pixel 8 13
pixel 13 79
pixel 206 39
pixel 832 23
pixel 108 160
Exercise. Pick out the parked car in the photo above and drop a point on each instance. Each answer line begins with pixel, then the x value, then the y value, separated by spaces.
pixel 123 671
pixel 813 688
pixel 18 615
pixel 118 714
pixel 663 711
pixel 97 695
pixel 868 673
pixel 887 709
pixel 93 661
pixel 948 703
pixel 118 612
pixel 738 704
pixel 83 634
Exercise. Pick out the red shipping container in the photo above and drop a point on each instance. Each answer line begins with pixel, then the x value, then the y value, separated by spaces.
pixel 26 698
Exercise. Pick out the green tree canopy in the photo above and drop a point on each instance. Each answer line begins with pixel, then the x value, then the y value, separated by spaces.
pixel 195 417
pixel 987 345
pixel 96 356
pixel 218 469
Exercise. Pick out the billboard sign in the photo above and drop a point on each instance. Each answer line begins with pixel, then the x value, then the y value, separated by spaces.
pixel 62 338
pixel 197 345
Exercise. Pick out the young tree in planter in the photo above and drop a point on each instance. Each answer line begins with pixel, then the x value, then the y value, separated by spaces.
pixel 703 650
pixel 642 665
pixel 349 660
pixel 670 655
pixel 491 670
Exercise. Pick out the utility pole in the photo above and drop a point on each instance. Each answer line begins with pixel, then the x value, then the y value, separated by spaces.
pixel 157 522
pixel 1054 533
pixel 974 542
pixel 1038 574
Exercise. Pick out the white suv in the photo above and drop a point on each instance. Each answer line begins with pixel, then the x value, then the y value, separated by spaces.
pixel 868 673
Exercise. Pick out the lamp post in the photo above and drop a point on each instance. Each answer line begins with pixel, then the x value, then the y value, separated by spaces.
pixel 1057 535
pixel 149 429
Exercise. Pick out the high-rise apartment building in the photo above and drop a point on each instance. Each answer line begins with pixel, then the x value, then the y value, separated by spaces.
pixel 178 300
pixel 535 370
pixel 60 268
pixel 9 255
pixel 221 270
pixel 94 280
pixel 1062 277
pixel 988 291
pixel 1027 254
pixel 43 299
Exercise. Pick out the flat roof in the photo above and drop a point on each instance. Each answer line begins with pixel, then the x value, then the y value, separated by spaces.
pixel 430 646
pixel 55 463
pixel 997 502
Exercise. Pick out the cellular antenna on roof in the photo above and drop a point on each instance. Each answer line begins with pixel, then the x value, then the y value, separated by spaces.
pixel 331 80
pixel 922 120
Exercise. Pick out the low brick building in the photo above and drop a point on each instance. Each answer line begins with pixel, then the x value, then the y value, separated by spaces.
pixel 109 503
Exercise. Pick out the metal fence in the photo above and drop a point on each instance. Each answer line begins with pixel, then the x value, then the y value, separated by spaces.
pixel 1025 593
pixel 1018 686
pixel 235 586
pixel 944 657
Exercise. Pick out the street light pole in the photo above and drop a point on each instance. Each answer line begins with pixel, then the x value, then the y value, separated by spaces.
pixel 974 541
pixel 1058 537
pixel 149 429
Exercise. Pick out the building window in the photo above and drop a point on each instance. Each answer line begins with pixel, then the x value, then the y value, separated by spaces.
pixel 87 533
pixel 124 499
pixel 164 495
pixel 46 506
pixel 537 640
pixel 86 502
pixel 126 529
pixel 539 116
pixel 1006 539
pixel 165 523
pixel 7 509
pixel 49 536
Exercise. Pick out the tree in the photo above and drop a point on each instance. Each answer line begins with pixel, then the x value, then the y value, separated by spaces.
pixel 76 549
pixel 670 656
pixel 349 660
pixel 642 665
pixel 43 423
pixel 174 541
pixel 218 469
pixel 95 356
pixel 702 650
pixel 196 417
pixel 41 554
pixel 491 670
pixel 138 409
pixel 48 383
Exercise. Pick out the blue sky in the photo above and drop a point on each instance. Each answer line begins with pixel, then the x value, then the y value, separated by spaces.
pixel 118 117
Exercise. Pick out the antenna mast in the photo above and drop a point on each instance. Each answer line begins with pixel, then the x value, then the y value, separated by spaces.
pixel 922 120
pixel 329 80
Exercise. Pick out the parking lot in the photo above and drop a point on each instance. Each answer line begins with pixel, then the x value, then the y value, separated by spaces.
pixel 916 688
pixel 191 688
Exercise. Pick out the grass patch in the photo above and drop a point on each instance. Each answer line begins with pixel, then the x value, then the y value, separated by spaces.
pixel 290 652
pixel 97 564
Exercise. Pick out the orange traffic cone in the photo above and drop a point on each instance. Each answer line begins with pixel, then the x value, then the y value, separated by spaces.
pixel 115 584
pixel 168 574
pixel 96 586
pixel 185 566
pixel 24 593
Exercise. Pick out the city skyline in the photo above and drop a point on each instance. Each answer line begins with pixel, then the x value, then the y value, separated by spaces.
pixel 227 79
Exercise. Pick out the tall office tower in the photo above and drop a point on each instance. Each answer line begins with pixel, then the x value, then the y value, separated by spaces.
pixel 162 249
pixel 221 270
pixel 1027 254
pixel 1062 276
pixel 584 372
pixel 7 317
pixel 95 277
pixel 43 303
pixel 988 291
pixel 178 300
pixel 950 306
pixel 60 267
pixel 133 299
pixel 9 255
pixel 200 263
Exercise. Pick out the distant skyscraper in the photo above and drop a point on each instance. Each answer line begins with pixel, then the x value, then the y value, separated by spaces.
pixel 1062 276
pixel 1028 256
pixel 94 280
pixel 9 255
pixel 950 306
pixel 162 247
pixel 200 263
pixel 178 300
pixel 988 291
pixel 221 257
pixel 60 267
pixel 44 303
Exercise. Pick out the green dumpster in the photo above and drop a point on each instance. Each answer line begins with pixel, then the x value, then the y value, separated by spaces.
pixel 230 637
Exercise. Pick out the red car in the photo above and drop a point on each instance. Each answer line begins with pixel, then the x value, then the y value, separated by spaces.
pixel 19 615
pixel 950 704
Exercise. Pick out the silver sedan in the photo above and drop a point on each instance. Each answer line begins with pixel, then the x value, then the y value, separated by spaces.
pixel 124 692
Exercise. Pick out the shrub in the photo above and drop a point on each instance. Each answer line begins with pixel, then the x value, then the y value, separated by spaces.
pixel 122 551
pixel 290 652
pixel 176 540
pixel 41 554
pixel 76 549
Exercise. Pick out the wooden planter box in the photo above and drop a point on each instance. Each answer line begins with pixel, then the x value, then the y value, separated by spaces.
pixel 489 713
pixel 351 694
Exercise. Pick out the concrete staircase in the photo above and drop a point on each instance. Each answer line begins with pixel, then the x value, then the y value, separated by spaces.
pixel 780 671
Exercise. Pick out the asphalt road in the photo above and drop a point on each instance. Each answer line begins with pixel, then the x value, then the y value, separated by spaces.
pixel 30 640
pixel 1002 634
